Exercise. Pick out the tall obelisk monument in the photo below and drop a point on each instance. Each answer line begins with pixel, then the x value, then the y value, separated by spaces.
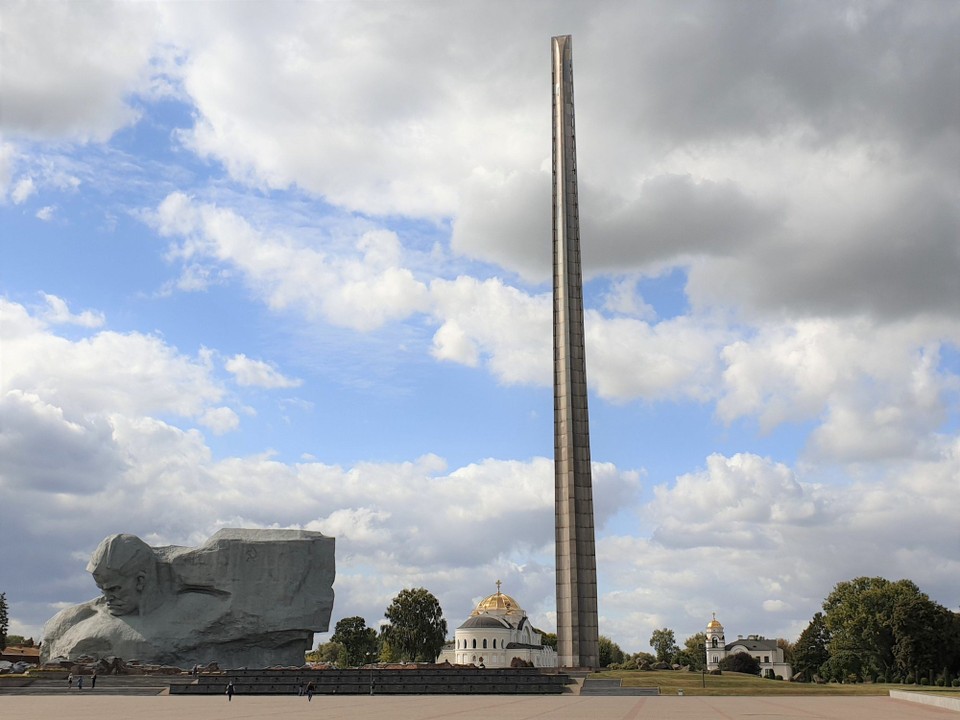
pixel 577 633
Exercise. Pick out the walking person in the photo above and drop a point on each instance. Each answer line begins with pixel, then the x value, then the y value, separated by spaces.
pixel 93 680
pixel 70 680
pixel 80 683
pixel 230 691
pixel 310 689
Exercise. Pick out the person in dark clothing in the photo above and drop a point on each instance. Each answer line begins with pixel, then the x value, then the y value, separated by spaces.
pixel 310 689
pixel 230 691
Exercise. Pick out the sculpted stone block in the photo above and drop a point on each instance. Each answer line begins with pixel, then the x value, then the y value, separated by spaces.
pixel 245 598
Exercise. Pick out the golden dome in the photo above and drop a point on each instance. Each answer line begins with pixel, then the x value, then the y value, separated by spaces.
pixel 714 624
pixel 498 604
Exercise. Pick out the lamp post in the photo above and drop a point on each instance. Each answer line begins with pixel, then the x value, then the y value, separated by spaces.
pixel 703 668
pixel 370 667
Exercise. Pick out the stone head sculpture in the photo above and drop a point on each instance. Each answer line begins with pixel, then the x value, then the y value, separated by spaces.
pixel 122 566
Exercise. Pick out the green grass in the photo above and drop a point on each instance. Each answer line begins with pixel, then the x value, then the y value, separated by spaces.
pixel 730 683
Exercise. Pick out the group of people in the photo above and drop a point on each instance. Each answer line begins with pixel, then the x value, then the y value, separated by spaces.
pixel 93 681
pixel 309 690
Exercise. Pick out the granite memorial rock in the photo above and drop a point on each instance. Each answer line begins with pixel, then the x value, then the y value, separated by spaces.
pixel 245 598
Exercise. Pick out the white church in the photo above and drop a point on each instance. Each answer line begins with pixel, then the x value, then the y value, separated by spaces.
pixel 496 632
pixel 766 651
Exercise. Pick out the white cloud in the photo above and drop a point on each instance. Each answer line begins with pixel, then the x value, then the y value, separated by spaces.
pixel 68 69
pixel 106 372
pixel 58 313
pixel 507 327
pixel 220 420
pixel 24 188
pixel 879 390
pixel 361 289
pixel 46 213
pixel 258 373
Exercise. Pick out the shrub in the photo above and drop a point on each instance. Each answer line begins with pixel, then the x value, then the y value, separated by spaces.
pixel 880 679
pixel 941 682
pixel 741 662
pixel 924 681
pixel 910 679
pixel 956 682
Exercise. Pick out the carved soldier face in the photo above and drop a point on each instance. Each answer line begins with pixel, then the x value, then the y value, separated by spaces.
pixel 121 592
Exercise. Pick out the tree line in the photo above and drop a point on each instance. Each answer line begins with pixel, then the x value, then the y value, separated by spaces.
pixel 873 629
pixel 415 631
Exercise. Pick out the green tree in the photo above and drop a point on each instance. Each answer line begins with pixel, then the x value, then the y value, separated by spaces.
pixel 416 630
pixel 4 620
pixel 810 651
pixel 741 662
pixel 359 642
pixel 693 653
pixel 917 628
pixel 787 648
pixel 664 644
pixel 548 639
pixel 859 615
pixel 609 651
pixel 328 652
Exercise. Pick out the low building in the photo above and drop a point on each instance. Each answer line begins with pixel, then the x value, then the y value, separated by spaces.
pixel 17 653
pixel 765 651
pixel 496 632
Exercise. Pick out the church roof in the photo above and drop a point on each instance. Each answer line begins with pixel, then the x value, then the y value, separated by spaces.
pixel 714 624
pixel 485 621
pixel 498 604
pixel 753 644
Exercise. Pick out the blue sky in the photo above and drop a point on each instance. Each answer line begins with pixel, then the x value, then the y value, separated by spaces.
pixel 288 265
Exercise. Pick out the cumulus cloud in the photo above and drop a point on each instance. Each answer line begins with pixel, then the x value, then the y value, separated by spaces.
pixel 258 373
pixel 24 188
pixel 748 536
pixel 363 289
pixel 58 313
pixel 68 70
pixel 880 390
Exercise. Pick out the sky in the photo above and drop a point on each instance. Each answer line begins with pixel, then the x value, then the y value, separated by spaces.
pixel 288 265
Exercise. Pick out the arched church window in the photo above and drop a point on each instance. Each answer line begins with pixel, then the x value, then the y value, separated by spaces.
pixel 494 643
pixel 484 643
pixel 474 643
pixel 714 642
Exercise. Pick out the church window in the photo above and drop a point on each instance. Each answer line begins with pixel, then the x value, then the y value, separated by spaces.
pixel 766 658
pixel 494 643
pixel 716 658
pixel 474 643
pixel 484 643
pixel 714 642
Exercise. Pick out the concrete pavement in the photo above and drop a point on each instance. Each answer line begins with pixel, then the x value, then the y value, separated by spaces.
pixel 89 706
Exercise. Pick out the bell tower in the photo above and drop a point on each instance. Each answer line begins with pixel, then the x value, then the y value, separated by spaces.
pixel 716 644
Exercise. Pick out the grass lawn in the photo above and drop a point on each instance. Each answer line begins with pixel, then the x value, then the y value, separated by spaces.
pixel 731 683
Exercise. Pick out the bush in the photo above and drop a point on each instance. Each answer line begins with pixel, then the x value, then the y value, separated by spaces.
pixel 741 662
pixel 924 681
pixel 910 679
pixel 941 682
pixel 956 682
pixel 880 679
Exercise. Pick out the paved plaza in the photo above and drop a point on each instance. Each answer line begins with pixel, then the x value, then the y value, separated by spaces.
pixel 89 706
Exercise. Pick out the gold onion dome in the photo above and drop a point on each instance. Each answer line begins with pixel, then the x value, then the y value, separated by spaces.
pixel 714 624
pixel 499 603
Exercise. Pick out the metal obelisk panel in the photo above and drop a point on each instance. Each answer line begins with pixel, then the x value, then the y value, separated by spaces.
pixel 577 633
